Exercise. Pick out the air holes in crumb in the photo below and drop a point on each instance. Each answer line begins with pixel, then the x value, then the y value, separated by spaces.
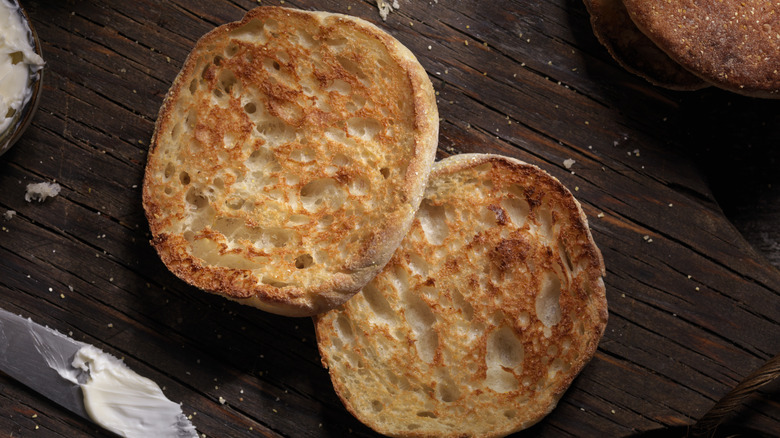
pixel 168 190
pixel 548 308
pixel 565 257
pixel 304 261
pixel 184 178
pixel 517 209
pixel 546 222
pixel 447 390
pixel 321 192
pixel 278 237
pixel 196 199
pixel 235 203
pixel 510 414
pixel 217 60
pixel 227 80
pixel 376 405
pixel 169 169
pixel 385 172
pixel 426 414
pixel 363 128
pixel 359 186
pixel 504 348
pixel 504 352
pixel 344 328
pixel 340 160
pixel 421 319
pixel 377 302
pixel 193 86
pixel 231 50
pixel 303 155
pixel 340 86
pixel 274 282
pixel 351 66
pixel 433 221
pixel 250 108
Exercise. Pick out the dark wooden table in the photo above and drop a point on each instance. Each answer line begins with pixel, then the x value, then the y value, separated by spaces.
pixel 672 182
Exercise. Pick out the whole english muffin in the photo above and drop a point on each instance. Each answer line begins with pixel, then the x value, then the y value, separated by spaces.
pixel 289 158
pixel 733 44
pixel 634 51
pixel 487 311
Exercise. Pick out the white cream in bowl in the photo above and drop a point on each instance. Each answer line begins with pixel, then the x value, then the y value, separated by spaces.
pixel 19 64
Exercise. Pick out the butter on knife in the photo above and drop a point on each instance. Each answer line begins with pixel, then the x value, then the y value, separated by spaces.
pixel 88 381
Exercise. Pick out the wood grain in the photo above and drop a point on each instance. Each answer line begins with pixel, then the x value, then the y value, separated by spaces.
pixel 694 308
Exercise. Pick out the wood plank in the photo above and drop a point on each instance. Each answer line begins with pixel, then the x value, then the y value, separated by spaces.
pixel 694 307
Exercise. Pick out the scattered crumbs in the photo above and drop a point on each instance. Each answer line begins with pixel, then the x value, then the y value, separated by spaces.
pixel 689 277
pixel 40 191
pixel 429 47
pixel 51 290
pixel 466 42
pixel 576 188
pixel 241 391
pixel 636 152
pixel 222 400
pixel 35 415
pixel 70 288
pixel 275 411
pixel 8 215
pixel 671 205
pixel 697 287
pixel 110 325
pixel 567 163
pixel 647 238
pixel 62 296
pixel 622 295
pixel 168 59
pixel 582 409
pixel 469 27
pixel 613 411
pixel 600 215
pixel 587 122
pixel 385 7
pixel 674 315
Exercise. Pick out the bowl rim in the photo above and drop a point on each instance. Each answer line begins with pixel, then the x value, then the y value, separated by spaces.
pixel 21 121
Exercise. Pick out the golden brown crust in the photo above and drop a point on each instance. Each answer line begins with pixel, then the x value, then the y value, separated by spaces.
pixel 733 44
pixel 487 311
pixel 288 159
pixel 634 51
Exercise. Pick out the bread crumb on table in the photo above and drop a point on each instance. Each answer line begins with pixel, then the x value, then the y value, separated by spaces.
pixel 40 191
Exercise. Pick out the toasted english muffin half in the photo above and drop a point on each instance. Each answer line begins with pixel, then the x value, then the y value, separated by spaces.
pixel 732 44
pixel 289 158
pixel 487 311
pixel 634 51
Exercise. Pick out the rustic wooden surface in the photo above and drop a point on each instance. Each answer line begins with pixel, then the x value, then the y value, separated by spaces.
pixel 694 307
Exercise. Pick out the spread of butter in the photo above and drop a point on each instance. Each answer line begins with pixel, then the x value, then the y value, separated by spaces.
pixel 18 62
pixel 126 403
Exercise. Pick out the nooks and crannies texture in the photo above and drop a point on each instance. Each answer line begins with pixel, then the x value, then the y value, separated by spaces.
pixel 289 158
pixel 491 306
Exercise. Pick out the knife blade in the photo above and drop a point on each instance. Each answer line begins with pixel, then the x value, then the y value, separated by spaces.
pixel 69 372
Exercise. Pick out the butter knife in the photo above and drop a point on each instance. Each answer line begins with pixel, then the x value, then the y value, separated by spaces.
pixel 87 381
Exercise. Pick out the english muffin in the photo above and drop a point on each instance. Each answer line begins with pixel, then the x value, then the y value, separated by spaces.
pixel 634 51
pixel 289 158
pixel 732 44
pixel 490 307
